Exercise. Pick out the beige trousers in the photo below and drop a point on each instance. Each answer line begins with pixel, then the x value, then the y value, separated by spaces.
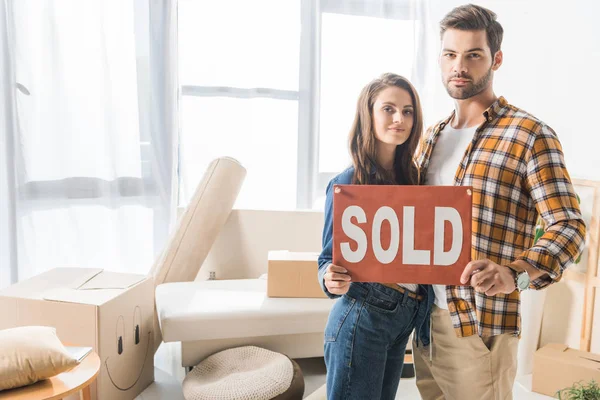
pixel 454 368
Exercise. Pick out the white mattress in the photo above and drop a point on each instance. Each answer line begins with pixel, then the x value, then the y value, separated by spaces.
pixel 222 309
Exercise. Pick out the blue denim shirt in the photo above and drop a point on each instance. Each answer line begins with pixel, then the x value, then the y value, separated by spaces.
pixel 422 320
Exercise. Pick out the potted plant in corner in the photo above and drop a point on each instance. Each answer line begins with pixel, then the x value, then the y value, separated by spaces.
pixel 580 391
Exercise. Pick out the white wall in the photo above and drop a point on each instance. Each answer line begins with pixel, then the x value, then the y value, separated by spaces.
pixel 551 70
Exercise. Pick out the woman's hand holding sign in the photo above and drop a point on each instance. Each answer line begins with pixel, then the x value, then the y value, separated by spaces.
pixel 337 280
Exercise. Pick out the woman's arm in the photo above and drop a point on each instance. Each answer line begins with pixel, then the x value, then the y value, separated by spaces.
pixel 325 257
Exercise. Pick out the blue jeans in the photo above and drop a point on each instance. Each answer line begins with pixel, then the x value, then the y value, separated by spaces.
pixel 365 341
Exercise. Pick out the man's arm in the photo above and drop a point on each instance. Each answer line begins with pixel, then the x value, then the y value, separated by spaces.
pixel 550 188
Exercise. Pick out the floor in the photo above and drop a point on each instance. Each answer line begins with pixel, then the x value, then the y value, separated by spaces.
pixel 168 387
pixel 314 377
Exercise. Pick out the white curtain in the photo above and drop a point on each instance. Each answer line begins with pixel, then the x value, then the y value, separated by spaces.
pixel 8 262
pixel 88 130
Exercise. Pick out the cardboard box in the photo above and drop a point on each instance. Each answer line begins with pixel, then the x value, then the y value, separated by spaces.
pixel 293 275
pixel 556 367
pixel 108 311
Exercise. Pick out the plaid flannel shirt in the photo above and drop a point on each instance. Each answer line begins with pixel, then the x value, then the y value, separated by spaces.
pixel 516 167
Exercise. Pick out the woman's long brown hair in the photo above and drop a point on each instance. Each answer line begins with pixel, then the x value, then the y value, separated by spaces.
pixel 363 142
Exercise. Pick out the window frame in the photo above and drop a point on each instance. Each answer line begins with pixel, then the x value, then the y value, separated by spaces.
pixel 311 183
pixel 389 9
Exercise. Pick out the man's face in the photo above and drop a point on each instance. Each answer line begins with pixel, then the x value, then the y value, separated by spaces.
pixel 466 62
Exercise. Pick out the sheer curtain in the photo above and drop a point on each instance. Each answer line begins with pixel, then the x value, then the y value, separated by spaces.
pixel 8 254
pixel 88 134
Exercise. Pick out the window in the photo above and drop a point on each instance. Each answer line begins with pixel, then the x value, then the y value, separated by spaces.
pixel 355 49
pixel 279 91
pixel 240 95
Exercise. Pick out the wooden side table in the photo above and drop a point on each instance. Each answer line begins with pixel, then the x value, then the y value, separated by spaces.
pixel 62 385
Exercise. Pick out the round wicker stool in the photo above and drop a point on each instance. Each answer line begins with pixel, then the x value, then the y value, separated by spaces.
pixel 245 373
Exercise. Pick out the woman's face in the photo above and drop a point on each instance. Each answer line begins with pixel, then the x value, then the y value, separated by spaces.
pixel 393 116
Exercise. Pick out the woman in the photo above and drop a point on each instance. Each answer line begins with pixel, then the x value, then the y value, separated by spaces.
pixel 368 328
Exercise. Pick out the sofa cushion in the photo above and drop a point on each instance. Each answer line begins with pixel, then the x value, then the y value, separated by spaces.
pixel 222 309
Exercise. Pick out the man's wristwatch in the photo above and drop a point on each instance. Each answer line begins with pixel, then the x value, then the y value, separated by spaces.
pixel 522 279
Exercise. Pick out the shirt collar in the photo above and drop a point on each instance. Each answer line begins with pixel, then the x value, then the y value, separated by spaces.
pixel 490 113
pixel 495 109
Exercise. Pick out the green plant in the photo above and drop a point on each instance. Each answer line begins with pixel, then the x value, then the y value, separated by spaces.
pixel 580 391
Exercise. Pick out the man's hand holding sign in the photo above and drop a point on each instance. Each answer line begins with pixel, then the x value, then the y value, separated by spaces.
pixel 488 277
pixel 406 234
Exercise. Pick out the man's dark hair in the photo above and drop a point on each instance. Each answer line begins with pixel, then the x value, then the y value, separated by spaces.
pixel 474 18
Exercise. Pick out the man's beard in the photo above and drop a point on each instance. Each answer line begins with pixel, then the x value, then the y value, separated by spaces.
pixel 472 89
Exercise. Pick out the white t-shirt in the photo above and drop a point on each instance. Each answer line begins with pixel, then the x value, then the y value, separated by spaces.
pixel 445 159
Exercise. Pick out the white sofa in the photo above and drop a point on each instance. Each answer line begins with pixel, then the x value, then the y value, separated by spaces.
pixel 207 316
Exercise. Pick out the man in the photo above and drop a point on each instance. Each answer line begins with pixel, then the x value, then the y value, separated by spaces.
pixel 515 164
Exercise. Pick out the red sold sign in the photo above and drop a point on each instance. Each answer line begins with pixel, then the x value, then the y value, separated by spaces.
pixel 404 234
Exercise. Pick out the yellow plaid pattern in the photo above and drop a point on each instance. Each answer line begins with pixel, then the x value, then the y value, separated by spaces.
pixel 516 166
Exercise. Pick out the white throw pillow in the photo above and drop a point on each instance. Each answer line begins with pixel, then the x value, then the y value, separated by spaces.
pixel 31 353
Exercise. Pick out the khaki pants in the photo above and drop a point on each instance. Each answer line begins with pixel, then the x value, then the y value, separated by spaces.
pixel 454 368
